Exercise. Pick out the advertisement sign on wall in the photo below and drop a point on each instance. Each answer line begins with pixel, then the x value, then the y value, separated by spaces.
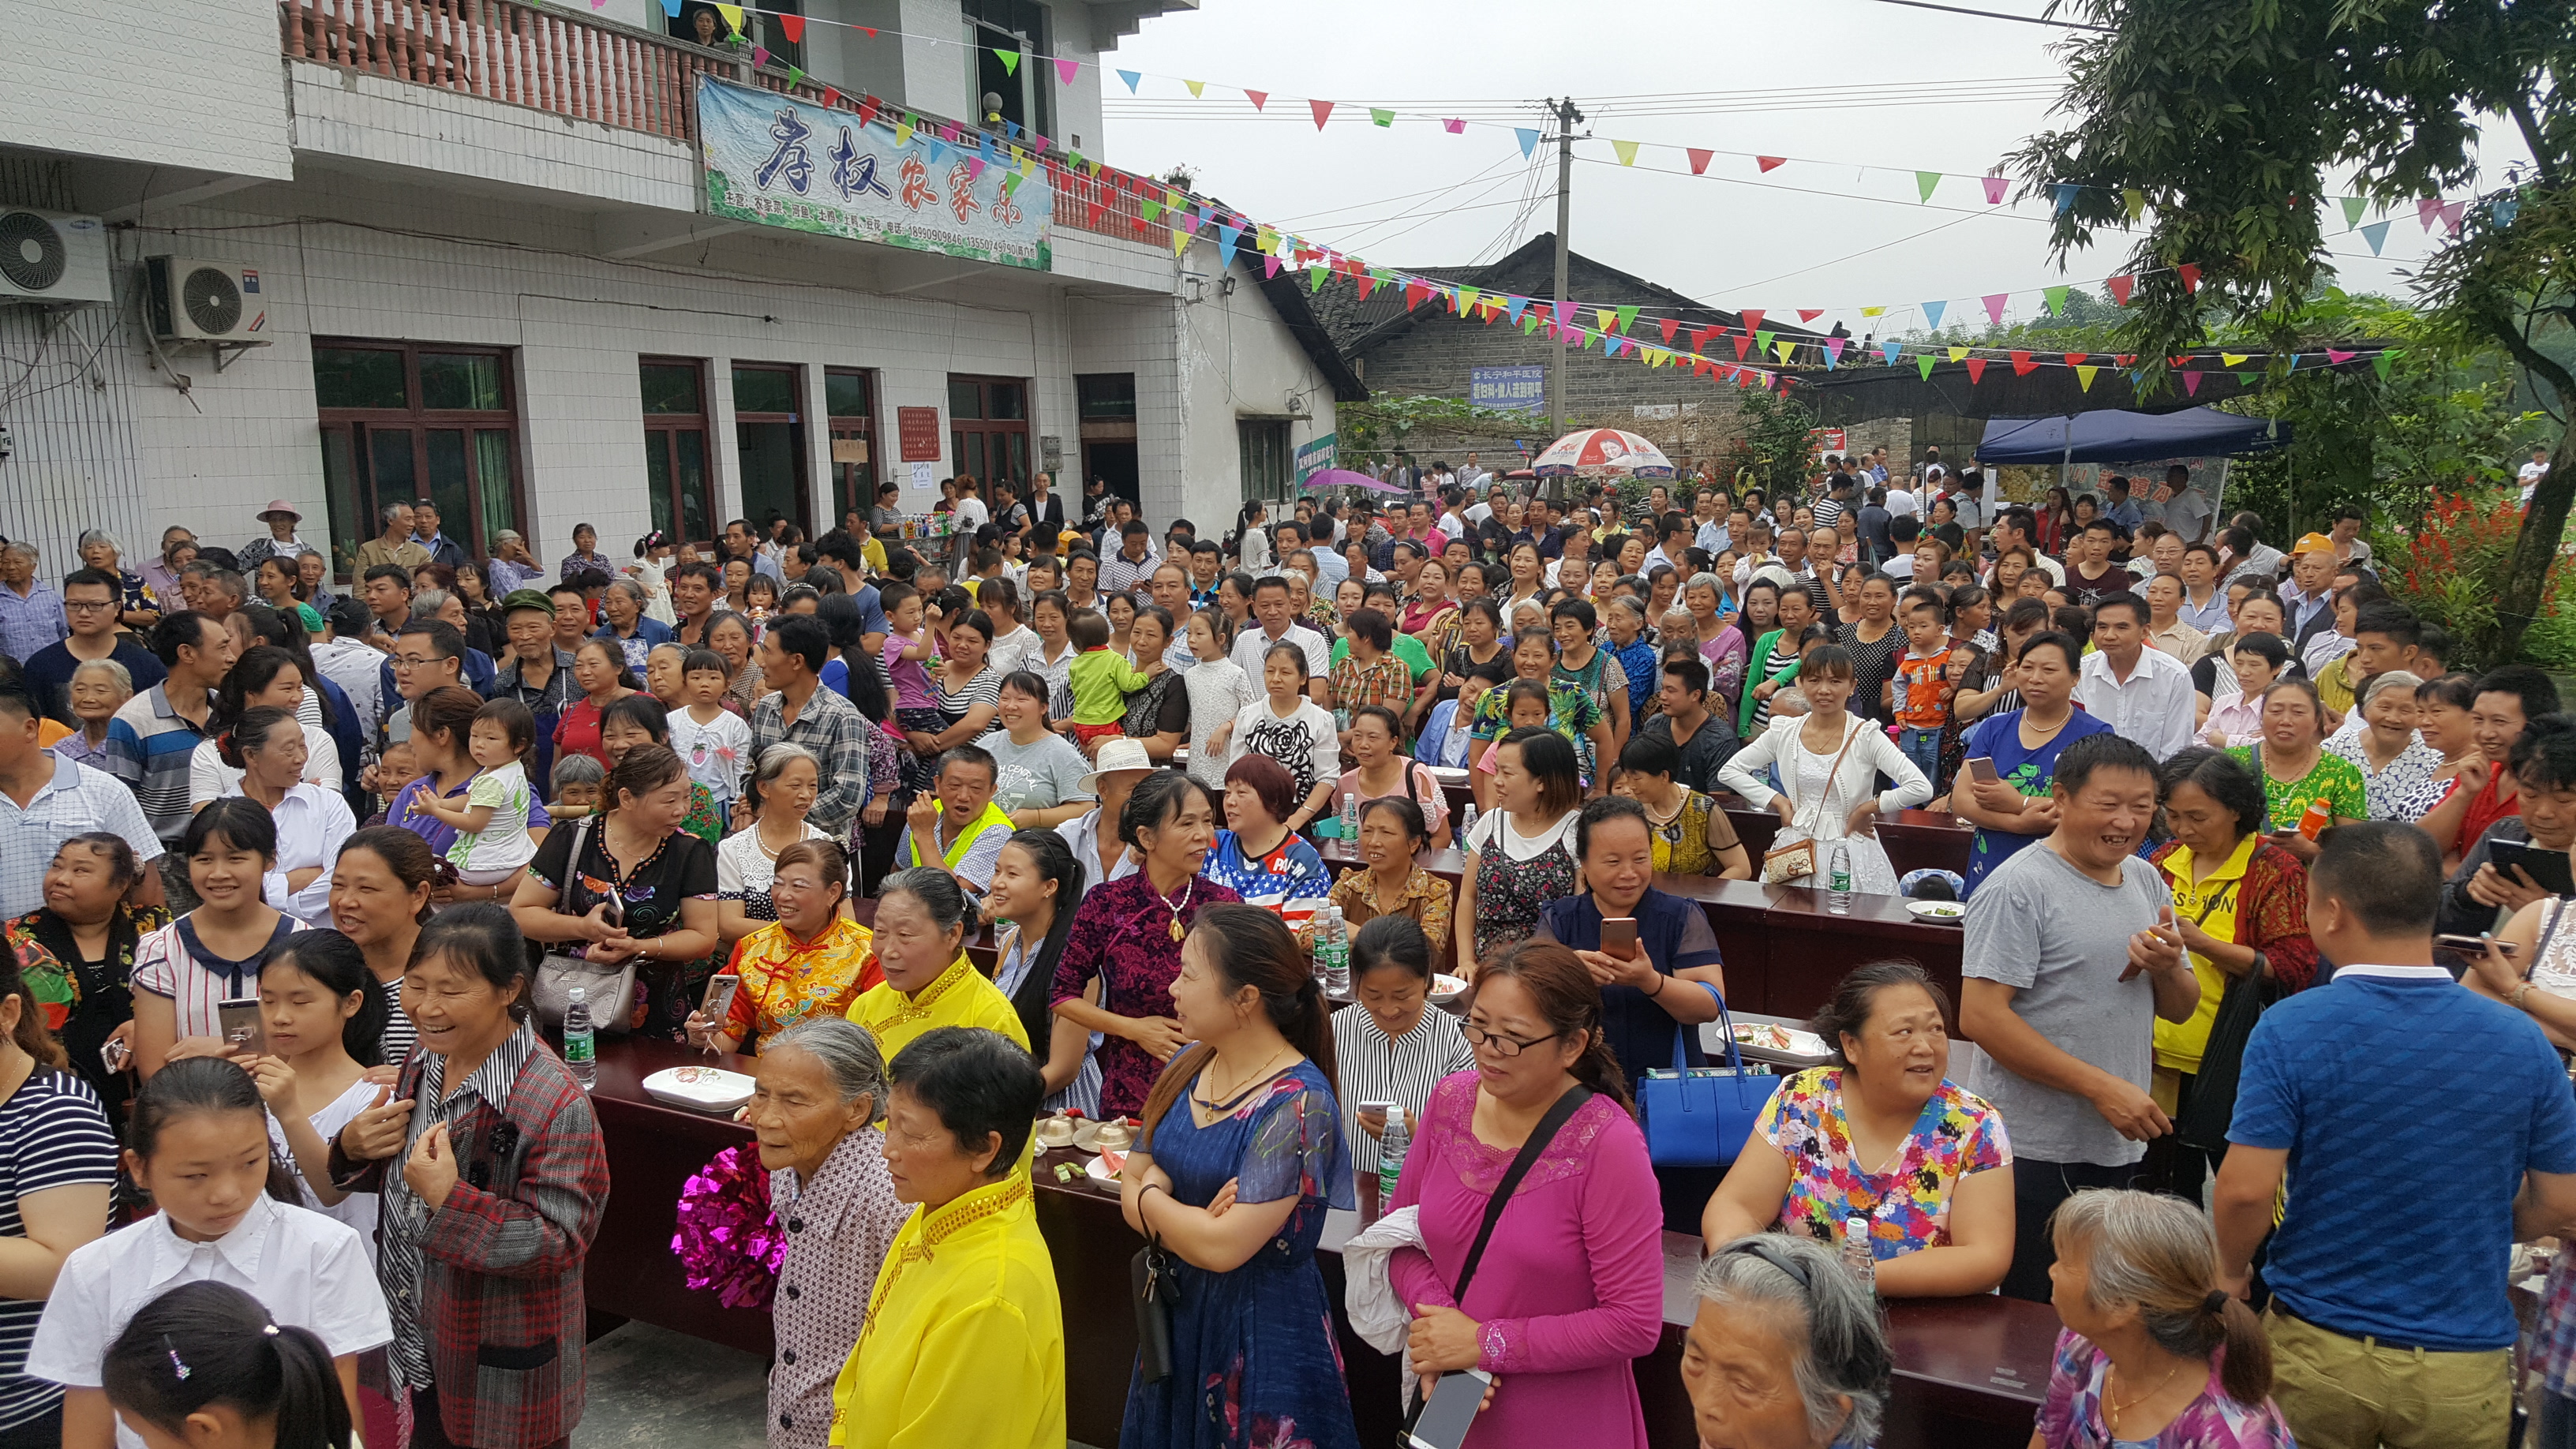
pixel 775 160
pixel 1515 389
pixel 1315 457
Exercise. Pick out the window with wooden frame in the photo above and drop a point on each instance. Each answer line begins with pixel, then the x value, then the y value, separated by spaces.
pixel 988 429
pixel 403 421
pixel 675 449
pixel 850 408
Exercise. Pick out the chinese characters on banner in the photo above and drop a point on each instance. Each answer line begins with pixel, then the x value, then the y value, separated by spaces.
pixel 774 160
pixel 1515 389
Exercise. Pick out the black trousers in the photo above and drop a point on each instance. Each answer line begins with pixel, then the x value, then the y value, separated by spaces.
pixel 2038 1187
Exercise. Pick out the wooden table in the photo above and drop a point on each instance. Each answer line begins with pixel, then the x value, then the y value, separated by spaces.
pixel 1969 1372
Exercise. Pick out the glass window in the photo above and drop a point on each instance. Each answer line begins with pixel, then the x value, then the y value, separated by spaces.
pixel 671 387
pixel 359 377
pixel 845 394
pixel 965 398
pixel 764 390
pixel 1106 394
pixel 1009 399
pixel 460 381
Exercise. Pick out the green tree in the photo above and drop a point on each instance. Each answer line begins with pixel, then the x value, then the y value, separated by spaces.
pixel 1773 451
pixel 1383 426
pixel 2226 118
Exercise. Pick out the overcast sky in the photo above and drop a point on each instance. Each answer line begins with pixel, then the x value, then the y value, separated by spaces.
pixel 1862 94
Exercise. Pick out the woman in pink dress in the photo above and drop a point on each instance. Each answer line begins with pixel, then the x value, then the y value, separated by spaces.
pixel 1570 1288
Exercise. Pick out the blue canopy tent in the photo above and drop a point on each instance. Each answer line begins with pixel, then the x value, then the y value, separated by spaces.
pixel 2126 437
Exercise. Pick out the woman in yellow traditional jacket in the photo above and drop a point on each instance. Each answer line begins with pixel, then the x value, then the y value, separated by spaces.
pixel 922 925
pixel 963 1343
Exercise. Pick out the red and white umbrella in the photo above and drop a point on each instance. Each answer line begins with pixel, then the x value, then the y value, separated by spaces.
pixel 1603 452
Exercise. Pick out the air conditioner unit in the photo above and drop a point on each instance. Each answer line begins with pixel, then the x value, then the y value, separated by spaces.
pixel 53 258
pixel 194 301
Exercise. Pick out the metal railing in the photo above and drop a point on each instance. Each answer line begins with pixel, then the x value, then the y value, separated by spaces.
pixel 569 65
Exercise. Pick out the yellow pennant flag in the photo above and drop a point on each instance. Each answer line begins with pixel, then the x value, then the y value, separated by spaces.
pixel 1958 354
pixel 1180 241
pixel 2137 201
pixel 1873 311
pixel 1466 300
pixel 902 134
pixel 1784 347
pixel 1028 162
pixel 1195 86
pixel 2230 359
pixel 1627 152
pixel 1609 319
pixel 732 16
pixel 1266 240
pixel 2084 377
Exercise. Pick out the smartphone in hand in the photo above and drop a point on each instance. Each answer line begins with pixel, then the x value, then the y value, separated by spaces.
pixel 1455 1401
pixel 238 1023
pixel 1619 937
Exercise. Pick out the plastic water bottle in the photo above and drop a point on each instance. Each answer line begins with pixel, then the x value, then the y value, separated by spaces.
pixel 1466 824
pixel 1351 820
pixel 1838 890
pixel 581 1046
pixel 1337 953
pixel 1858 1260
pixel 1392 1144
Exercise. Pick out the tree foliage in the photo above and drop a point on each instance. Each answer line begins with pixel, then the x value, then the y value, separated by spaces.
pixel 2226 121
pixel 1773 449
pixel 1384 425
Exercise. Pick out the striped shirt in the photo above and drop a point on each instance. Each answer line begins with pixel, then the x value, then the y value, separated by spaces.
pixel 150 745
pixel 78 800
pixel 402 1269
pixel 1403 1070
pixel 53 1133
pixel 173 962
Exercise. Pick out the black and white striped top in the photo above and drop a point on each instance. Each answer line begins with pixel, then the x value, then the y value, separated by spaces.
pixel 53 1133
pixel 1403 1070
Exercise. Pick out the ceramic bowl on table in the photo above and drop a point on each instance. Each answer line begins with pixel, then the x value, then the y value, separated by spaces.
pixel 1446 988
pixel 699 1089
pixel 1943 913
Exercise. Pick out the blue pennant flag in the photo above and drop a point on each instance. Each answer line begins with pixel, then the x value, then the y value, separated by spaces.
pixel 2505 209
pixel 1529 138
pixel 1512 309
pixel 1130 77
pixel 2066 196
pixel 671 8
pixel 984 147
pixel 1932 313
pixel 1889 350
pixel 2376 234
pixel 938 148
pixel 1226 237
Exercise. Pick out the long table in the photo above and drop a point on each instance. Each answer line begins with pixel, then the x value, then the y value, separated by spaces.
pixel 1970 1372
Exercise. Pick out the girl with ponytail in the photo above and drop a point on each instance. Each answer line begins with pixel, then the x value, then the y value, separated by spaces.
pixel 1241 1154
pixel 2155 1349
pixel 1570 1286
pixel 198 1143
pixel 204 1365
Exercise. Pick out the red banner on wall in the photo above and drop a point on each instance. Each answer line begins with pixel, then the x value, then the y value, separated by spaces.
pixel 919 430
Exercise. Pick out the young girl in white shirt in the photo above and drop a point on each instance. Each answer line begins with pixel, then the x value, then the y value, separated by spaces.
pixel 204 1365
pixel 325 1014
pixel 711 740
pixel 198 1142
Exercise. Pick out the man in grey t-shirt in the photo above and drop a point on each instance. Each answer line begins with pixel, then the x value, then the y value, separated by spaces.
pixel 2071 955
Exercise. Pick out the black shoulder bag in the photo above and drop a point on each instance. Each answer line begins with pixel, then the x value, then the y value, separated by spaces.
pixel 1539 1138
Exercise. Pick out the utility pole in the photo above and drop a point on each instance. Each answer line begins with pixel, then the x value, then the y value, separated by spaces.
pixel 1567 117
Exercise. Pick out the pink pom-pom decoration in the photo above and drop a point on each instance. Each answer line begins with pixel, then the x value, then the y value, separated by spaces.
pixel 729 1241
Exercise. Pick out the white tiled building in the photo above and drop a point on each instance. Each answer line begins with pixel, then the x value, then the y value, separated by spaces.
pixel 485 272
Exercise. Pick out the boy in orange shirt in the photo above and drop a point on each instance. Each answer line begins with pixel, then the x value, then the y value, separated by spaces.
pixel 1919 695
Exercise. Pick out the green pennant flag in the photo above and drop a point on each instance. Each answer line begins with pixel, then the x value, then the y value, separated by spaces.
pixel 2352 209
pixel 1627 318
pixel 1011 183
pixel 1148 208
pixel 1529 323
pixel 2380 363
pixel 1923 365
pixel 1762 340
pixel 1010 61
pixel 795 77
pixel 2056 297
pixel 1383 118
pixel 1315 277
pixel 1589 337
pixel 1924 181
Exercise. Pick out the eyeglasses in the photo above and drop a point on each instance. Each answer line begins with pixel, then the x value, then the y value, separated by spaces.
pixel 88 606
pixel 1504 1046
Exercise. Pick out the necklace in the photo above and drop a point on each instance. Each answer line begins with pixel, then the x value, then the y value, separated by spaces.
pixel 1187 886
pixel 1669 816
pixel 1260 1077
pixel 2112 1404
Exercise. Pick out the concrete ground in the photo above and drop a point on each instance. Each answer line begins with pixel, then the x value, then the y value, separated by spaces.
pixel 651 1388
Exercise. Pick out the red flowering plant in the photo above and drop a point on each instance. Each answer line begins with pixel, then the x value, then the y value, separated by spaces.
pixel 2452 571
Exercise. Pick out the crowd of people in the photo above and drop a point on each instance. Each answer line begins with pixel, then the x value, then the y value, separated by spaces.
pixel 2223 799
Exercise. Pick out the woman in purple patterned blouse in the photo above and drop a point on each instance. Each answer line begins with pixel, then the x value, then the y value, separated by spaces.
pixel 1127 936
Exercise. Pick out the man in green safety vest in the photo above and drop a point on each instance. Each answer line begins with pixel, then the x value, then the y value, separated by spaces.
pixel 960 829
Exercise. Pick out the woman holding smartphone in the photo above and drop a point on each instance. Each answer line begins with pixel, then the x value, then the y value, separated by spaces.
pixel 1652 955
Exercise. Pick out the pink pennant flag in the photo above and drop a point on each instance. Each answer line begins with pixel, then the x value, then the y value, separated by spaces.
pixel 760 56
pixel 1564 312
pixel 1995 307
pixel 2451 215
pixel 1259 99
pixel 2190 383
pixel 1994 189
pixel 1323 112
pixel 1699 160
pixel 2336 355
pixel 1453 127
pixel 1064 69
pixel 2428 211
pixel 1269 265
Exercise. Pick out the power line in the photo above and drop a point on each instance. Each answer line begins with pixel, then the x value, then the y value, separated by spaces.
pixel 2004 15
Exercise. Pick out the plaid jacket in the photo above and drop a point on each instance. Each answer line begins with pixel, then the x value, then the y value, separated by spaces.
pixel 500 1292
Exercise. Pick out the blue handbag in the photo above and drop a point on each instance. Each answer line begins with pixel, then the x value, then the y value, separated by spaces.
pixel 1700 1116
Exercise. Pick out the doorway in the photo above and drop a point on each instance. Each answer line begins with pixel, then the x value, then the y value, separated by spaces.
pixel 1114 460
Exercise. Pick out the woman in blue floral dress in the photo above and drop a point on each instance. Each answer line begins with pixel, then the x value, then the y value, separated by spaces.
pixel 1241 1155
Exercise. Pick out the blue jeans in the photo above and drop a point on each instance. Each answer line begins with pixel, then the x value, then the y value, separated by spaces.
pixel 1923 747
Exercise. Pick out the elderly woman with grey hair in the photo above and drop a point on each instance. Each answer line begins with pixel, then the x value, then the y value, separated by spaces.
pixel 511 566
pixel 622 605
pixel 817 1097
pixel 102 550
pixel 1786 1351
pixel 99 688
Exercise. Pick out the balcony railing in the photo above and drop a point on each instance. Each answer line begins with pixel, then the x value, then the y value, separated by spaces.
pixel 569 65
